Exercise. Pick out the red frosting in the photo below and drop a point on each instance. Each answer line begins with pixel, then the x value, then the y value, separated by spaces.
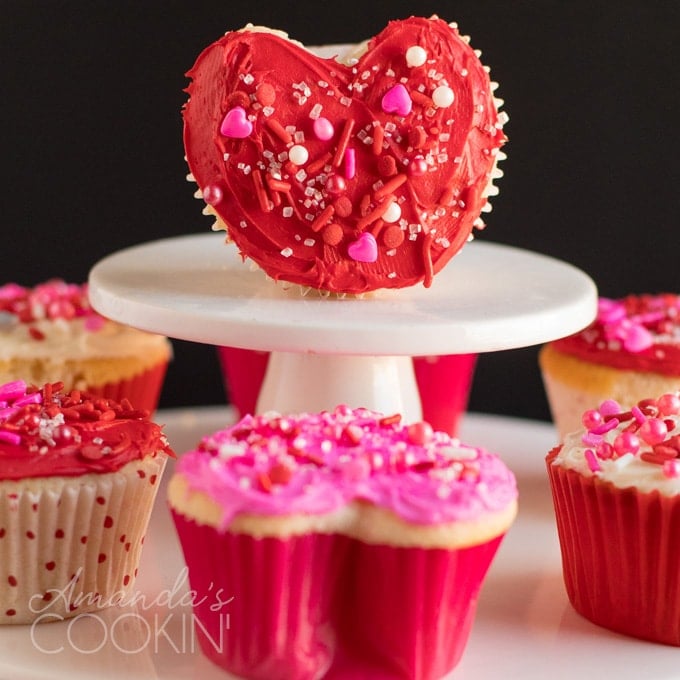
pixel 345 178
pixel 638 332
pixel 47 432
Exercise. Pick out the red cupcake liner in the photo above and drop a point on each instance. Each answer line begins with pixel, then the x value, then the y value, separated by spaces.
pixel 409 612
pixel 444 385
pixel 243 372
pixel 278 626
pixel 620 556
pixel 143 390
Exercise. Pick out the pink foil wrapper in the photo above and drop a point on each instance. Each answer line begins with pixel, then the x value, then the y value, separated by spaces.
pixel 327 606
pixel 279 624
pixel 143 390
pixel 620 554
pixel 409 611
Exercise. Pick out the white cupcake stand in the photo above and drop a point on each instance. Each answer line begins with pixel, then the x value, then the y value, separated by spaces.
pixel 332 350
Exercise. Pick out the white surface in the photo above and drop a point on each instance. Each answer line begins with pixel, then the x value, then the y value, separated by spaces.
pixel 490 297
pixel 524 628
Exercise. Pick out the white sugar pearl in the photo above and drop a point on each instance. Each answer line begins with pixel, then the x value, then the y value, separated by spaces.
pixel 443 97
pixel 392 214
pixel 298 154
pixel 415 56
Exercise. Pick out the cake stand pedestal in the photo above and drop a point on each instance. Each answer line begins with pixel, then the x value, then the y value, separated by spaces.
pixel 332 350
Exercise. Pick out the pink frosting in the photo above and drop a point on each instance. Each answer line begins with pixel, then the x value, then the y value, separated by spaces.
pixel 317 463
pixel 53 299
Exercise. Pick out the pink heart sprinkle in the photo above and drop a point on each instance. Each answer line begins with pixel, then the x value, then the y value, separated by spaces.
pixel 637 339
pixel 397 100
pixel 235 124
pixel 364 249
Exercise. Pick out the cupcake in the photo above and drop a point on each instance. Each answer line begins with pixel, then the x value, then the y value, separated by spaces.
pixel 616 490
pixel 308 536
pixel 630 351
pixel 443 383
pixel 50 333
pixel 78 477
pixel 345 177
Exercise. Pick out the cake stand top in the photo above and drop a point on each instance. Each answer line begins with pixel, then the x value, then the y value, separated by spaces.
pixel 489 297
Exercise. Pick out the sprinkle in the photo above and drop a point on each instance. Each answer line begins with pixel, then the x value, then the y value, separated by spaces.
pixel 10 437
pixel 347 129
pixel 298 154
pixel 397 100
pixel 319 163
pixel 323 128
pixel 287 252
pixel 671 468
pixel 415 56
pixel 364 249
pixel 350 163
pixel 212 194
pixel 443 97
pixel 235 124
pixel 265 94
pixel 278 129
pixel 376 213
pixel 390 186
pixel 260 192
pixel 378 137
pixel 393 213
pixel 324 218
pixel 591 459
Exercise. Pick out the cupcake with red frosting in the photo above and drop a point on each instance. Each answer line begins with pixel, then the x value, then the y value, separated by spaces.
pixel 78 477
pixel 630 351
pixel 616 490
pixel 50 333
pixel 338 542
pixel 345 176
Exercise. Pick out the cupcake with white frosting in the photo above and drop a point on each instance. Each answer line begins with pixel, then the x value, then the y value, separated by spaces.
pixel 616 490
pixel 630 351
pixel 318 529
pixel 50 333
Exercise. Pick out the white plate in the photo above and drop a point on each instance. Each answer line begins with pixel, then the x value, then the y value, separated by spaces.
pixel 524 627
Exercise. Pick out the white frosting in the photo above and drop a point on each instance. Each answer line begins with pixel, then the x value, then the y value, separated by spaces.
pixel 71 339
pixel 626 471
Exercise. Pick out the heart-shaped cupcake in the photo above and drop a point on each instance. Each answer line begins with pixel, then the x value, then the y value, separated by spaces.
pixel 301 157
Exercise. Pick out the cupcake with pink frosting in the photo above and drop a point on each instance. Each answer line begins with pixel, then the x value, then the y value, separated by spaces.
pixel 310 536
pixel 50 333
pixel 630 351
pixel 616 491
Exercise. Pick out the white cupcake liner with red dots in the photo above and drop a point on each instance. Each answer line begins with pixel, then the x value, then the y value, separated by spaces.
pixel 70 545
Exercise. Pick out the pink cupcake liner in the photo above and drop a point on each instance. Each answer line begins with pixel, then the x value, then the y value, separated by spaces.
pixel 330 606
pixel 444 385
pixel 621 562
pixel 409 612
pixel 143 390
pixel 278 626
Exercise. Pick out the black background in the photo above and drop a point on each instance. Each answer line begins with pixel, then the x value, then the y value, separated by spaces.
pixel 90 140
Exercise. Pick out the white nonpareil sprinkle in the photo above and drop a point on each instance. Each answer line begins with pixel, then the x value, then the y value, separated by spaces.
pixel 415 56
pixel 443 96
pixel 287 252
